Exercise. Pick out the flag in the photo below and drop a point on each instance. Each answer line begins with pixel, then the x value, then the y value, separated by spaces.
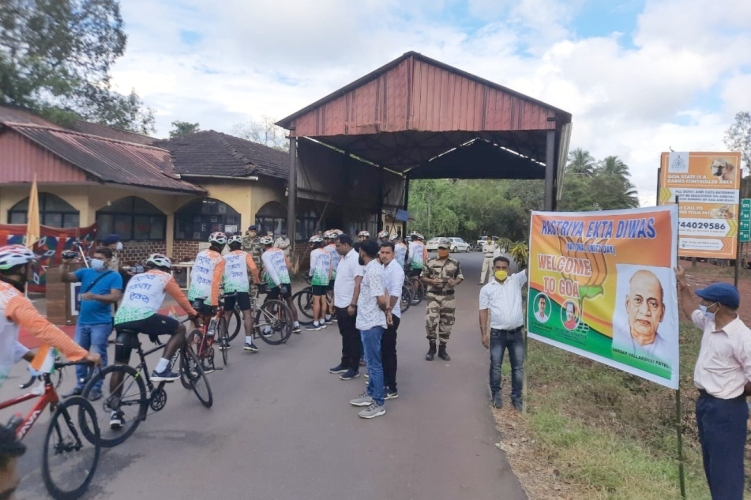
pixel 44 361
pixel 32 216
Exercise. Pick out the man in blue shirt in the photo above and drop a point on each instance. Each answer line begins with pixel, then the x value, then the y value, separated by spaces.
pixel 100 288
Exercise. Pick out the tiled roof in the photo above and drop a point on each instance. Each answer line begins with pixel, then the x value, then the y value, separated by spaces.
pixel 213 153
pixel 109 160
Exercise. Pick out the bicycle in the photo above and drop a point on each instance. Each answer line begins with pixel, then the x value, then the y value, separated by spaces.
pixel 129 397
pixel 418 290
pixel 304 301
pixel 57 446
pixel 203 342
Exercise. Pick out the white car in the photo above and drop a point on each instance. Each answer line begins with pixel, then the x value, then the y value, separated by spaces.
pixel 457 244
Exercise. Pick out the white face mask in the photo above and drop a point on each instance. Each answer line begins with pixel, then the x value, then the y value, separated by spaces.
pixel 709 315
pixel 119 246
pixel 97 264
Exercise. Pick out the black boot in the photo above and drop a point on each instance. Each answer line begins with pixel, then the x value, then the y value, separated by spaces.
pixel 442 353
pixel 431 352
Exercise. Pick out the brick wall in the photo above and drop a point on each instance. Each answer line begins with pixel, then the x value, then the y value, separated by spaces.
pixel 184 251
pixel 136 252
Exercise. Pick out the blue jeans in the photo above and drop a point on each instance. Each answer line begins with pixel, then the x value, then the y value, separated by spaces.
pixel 722 434
pixel 513 340
pixel 88 336
pixel 371 343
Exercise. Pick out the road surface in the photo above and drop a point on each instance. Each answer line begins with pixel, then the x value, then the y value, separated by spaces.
pixel 282 427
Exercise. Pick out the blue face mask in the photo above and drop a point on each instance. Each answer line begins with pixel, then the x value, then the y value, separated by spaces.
pixel 97 264
pixel 709 315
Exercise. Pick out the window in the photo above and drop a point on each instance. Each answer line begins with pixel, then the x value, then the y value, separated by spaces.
pixel 271 217
pixel 132 218
pixel 199 218
pixel 53 212
pixel 307 223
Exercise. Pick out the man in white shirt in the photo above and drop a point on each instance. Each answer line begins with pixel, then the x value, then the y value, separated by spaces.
pixel 488 249
pixel 346 292
pixel 394 281
pixel 372 305
pixel 502 297
pixel 723 377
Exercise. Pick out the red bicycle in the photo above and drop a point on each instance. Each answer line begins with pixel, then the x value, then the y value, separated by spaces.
pixel 71 446
pixel 202 339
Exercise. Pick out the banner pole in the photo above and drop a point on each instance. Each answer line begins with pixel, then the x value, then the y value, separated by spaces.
pixel 737 255
pixel 678 426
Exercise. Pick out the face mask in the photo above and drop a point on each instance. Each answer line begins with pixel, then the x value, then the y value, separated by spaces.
pixel 707 314
pixel 97 264
pixel 501 275
pixel 119 246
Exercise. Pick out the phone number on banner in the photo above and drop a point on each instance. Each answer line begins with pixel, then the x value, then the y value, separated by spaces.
pixel 703 227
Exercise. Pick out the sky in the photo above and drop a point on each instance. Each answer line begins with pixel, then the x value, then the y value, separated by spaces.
pixel 638 76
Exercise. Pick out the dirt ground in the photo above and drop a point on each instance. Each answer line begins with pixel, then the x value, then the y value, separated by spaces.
pixel 540 478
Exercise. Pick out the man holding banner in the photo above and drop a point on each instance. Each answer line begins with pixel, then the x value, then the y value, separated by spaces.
pixel 723 377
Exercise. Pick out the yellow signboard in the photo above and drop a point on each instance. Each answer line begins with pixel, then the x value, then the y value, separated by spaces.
pixel 707 186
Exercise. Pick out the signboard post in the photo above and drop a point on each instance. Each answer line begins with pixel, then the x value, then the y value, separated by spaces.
pixel 708 185
pixel 744 233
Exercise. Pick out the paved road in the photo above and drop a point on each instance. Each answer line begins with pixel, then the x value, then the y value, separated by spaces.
pixel 282 428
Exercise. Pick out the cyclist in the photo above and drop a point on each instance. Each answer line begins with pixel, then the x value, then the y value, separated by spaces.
pixel 400 250
pixel 237 262
pixel 418 255
pixel 363 235
pixel 383 237
pixel 276 276
pixel 17 311
pixel 320 272
pixel 330 237
pixel 207 274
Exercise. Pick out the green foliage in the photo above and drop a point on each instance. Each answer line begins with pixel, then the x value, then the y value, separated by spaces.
pixel 601 185
pixel 520 253
pixel 738 136
pixel 183 129
pixel 580 162
pixel 55 58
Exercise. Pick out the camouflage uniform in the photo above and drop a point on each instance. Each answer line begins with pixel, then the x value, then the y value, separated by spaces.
pixel 440 315
pixel 254 248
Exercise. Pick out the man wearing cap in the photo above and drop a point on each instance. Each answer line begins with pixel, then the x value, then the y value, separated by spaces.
pixel 283 243
pixel 440 275
pixel 723 377
pixel 488 249
pixel 252 245
pixel 113 242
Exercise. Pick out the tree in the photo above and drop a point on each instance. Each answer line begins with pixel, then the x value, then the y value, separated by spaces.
pixel 738 136
pixel 580 162
pixel 55 58
pixel 264 132
pixel 183 129
pixel 614 166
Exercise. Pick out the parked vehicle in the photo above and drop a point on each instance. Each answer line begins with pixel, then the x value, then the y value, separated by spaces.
pixel 457 244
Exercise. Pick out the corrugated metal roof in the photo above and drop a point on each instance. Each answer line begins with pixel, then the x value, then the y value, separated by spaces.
pixel 112 133
pixel 211 153
pixel 18 116
pixel 109 160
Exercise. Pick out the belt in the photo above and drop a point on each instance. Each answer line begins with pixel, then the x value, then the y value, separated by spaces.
pixel 513 330
pixel 445 293
pixel 702 392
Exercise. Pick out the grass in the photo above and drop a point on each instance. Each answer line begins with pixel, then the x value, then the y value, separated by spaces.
pixel 609 433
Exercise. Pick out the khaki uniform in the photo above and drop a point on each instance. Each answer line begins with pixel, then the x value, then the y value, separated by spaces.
pixel 253 247
pixel 284 244
pixel 488 252
pixel 441 309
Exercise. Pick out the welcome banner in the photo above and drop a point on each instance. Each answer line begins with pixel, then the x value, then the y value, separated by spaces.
pixel 602 285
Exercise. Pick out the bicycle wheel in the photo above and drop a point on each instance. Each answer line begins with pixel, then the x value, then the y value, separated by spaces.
pixel 127 397
pixel 406 298
pixel 191 367
pixel 304 301
pixel 419 293
pixel 273 322
pixel 233 326
pixel 223 339
pixel 70 457
pixel 194 341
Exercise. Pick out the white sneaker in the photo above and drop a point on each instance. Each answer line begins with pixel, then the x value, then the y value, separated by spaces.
pixel 373 411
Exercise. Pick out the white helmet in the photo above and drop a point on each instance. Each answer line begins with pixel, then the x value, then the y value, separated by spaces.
pixel 329 235
pixel 266 240
pixel 420 237
pixel 395 237
pixel 315 239
pixel 364 234
pixel 383 234
pixel 238 239
pixel 160 260
pixel 218 238
pixel 15 255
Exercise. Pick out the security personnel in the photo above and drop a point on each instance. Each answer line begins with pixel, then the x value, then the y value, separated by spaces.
pixel 252 245
pixel 440 275
pixel 488 251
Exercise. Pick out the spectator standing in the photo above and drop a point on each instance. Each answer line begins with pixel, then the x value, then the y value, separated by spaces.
pixel 349 274
pixel 440 275
pixel 283 243
pixel 488 250
pixel 394 280
pixel 101 287
pixel 113 242
pixel 502 297
pixel 723 377
pixel 372 306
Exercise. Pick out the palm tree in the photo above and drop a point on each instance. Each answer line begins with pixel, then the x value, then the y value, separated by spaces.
pixel 580 162
pixel 613 165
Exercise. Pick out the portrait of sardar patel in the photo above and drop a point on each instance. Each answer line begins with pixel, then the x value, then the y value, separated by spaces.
pixel 645 310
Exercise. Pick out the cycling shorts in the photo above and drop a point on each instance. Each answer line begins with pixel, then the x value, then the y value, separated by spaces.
pixel 319 290
pixel 153 326
pixel 241 298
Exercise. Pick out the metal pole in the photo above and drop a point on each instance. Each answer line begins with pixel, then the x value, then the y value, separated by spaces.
pixel 406 207
pixel 659 173
pixel 737 257
pixel 549 166
pixel 678 425
pixel 292 189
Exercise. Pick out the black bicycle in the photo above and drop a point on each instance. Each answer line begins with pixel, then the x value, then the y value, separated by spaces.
pixel 128 392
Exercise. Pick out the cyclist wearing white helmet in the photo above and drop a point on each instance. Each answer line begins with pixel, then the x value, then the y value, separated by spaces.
pixel 138 312
pixel 363 235
pixel 17 311
pixel 320 272
pixel 207 275
pixel 383 237
pixel 400 250
pixel 276 276
pixel 333 234
pixel 237 262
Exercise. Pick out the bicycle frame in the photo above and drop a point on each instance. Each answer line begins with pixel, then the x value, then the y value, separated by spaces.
pixel 47 397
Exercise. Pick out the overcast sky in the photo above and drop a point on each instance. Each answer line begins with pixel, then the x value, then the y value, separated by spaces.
pixel 639 76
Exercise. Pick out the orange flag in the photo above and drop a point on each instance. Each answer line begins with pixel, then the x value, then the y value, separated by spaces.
pixel 32 216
